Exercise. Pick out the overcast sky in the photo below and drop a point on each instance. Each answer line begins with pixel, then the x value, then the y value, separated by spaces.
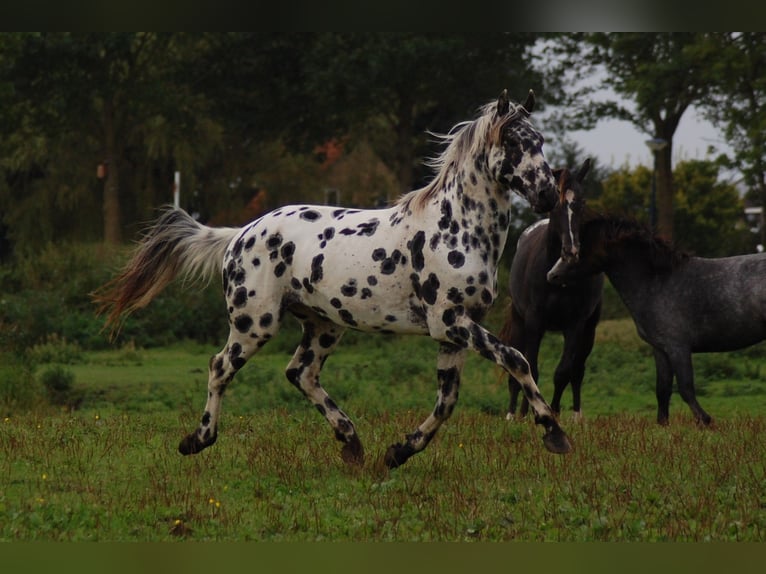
pixel 616 143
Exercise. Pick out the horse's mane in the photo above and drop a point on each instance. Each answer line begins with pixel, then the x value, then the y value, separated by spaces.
pixel 621 230
pixel 465 139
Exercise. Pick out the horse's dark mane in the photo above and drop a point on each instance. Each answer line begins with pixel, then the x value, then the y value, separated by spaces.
pixel 620 230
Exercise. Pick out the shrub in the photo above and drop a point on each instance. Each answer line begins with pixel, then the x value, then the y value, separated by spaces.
pixel 58 382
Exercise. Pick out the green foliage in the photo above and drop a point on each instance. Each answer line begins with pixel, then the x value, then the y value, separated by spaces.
pixel 708 213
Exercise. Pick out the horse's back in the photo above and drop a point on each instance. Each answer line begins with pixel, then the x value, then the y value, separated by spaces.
pixel 717 304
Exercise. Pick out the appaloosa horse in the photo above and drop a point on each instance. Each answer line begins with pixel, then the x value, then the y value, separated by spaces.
pixel 538 306
pixel 426 266
pixel 679 303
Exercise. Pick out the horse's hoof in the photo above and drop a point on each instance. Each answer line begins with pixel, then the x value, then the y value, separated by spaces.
pixel 557 441
pixel 352 452
pixel 397 454
pixel 191 444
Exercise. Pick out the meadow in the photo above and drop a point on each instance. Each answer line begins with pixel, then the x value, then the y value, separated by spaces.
pixel 98 460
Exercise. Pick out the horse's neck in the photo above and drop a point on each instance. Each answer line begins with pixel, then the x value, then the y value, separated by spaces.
pixel 632 276
pixel 478 204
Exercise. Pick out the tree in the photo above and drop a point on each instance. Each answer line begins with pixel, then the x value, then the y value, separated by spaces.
pixel 391 88
pixel 118 96
pixel 708 212
pixel 659 74
pixel 737 103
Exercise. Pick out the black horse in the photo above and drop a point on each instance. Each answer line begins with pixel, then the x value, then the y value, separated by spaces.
pixel 679 303
pixel 538 306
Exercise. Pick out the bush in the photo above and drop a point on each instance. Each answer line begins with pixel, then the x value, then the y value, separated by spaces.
pixel 58 382
pixel 47 297
pixel 19 390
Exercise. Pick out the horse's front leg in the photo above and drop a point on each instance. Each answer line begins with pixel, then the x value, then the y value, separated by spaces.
pixel 681 362
pixel 449 365
pixel 467 334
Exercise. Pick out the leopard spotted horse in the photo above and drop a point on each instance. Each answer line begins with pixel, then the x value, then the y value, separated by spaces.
pixel 427 265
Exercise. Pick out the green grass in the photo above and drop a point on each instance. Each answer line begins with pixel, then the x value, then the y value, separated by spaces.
pixel 109 471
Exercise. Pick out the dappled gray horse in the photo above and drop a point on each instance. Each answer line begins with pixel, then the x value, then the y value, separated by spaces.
pixel 426 266
pixel 680 304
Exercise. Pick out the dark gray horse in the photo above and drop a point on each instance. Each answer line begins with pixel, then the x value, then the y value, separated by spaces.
pixel 538 306
pixel 679 303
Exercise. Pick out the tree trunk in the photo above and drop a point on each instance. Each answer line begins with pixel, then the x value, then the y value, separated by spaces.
pixel 665 191
pixel 112 226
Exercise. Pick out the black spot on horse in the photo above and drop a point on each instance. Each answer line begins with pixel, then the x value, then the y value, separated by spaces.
pixel 240 297
pixel 388 266
pixel 416 250
pixel 335 302
pixel 368 228
pixel 274 241
pixel 347 317
pixel 326 340
pixel 378 254
pixel 366 293
pixel 279 270
pixel 294 283
pixel 446 210
pixel 266 320
pixel 239 277
pixel 287 252
pixel 430 288
pixel 349 289
pixel 310 215
pixel 454 295
pixel 372 280
pixel 243 323
pixel 249 244
pixel 316 268
pixel 456 259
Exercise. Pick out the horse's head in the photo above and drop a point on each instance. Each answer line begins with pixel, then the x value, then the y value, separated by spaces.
pixel 565 220
pixel 520 163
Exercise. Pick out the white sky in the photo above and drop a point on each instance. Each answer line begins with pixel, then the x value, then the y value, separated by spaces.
pixel 616 143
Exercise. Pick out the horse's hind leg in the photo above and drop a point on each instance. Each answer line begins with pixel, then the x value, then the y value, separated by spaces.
pixel 223 366
pixel 245 338
pixel 449 366
pixel 320 337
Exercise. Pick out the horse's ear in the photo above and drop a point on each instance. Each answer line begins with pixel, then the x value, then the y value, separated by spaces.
pixel 583 170
pixel 503 104
pixel 529 104
pixel 557 173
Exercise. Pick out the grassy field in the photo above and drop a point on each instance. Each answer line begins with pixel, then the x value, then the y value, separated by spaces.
pixel 109 470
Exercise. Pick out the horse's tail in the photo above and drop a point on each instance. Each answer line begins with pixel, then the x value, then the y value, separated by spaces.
pixel 175 244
